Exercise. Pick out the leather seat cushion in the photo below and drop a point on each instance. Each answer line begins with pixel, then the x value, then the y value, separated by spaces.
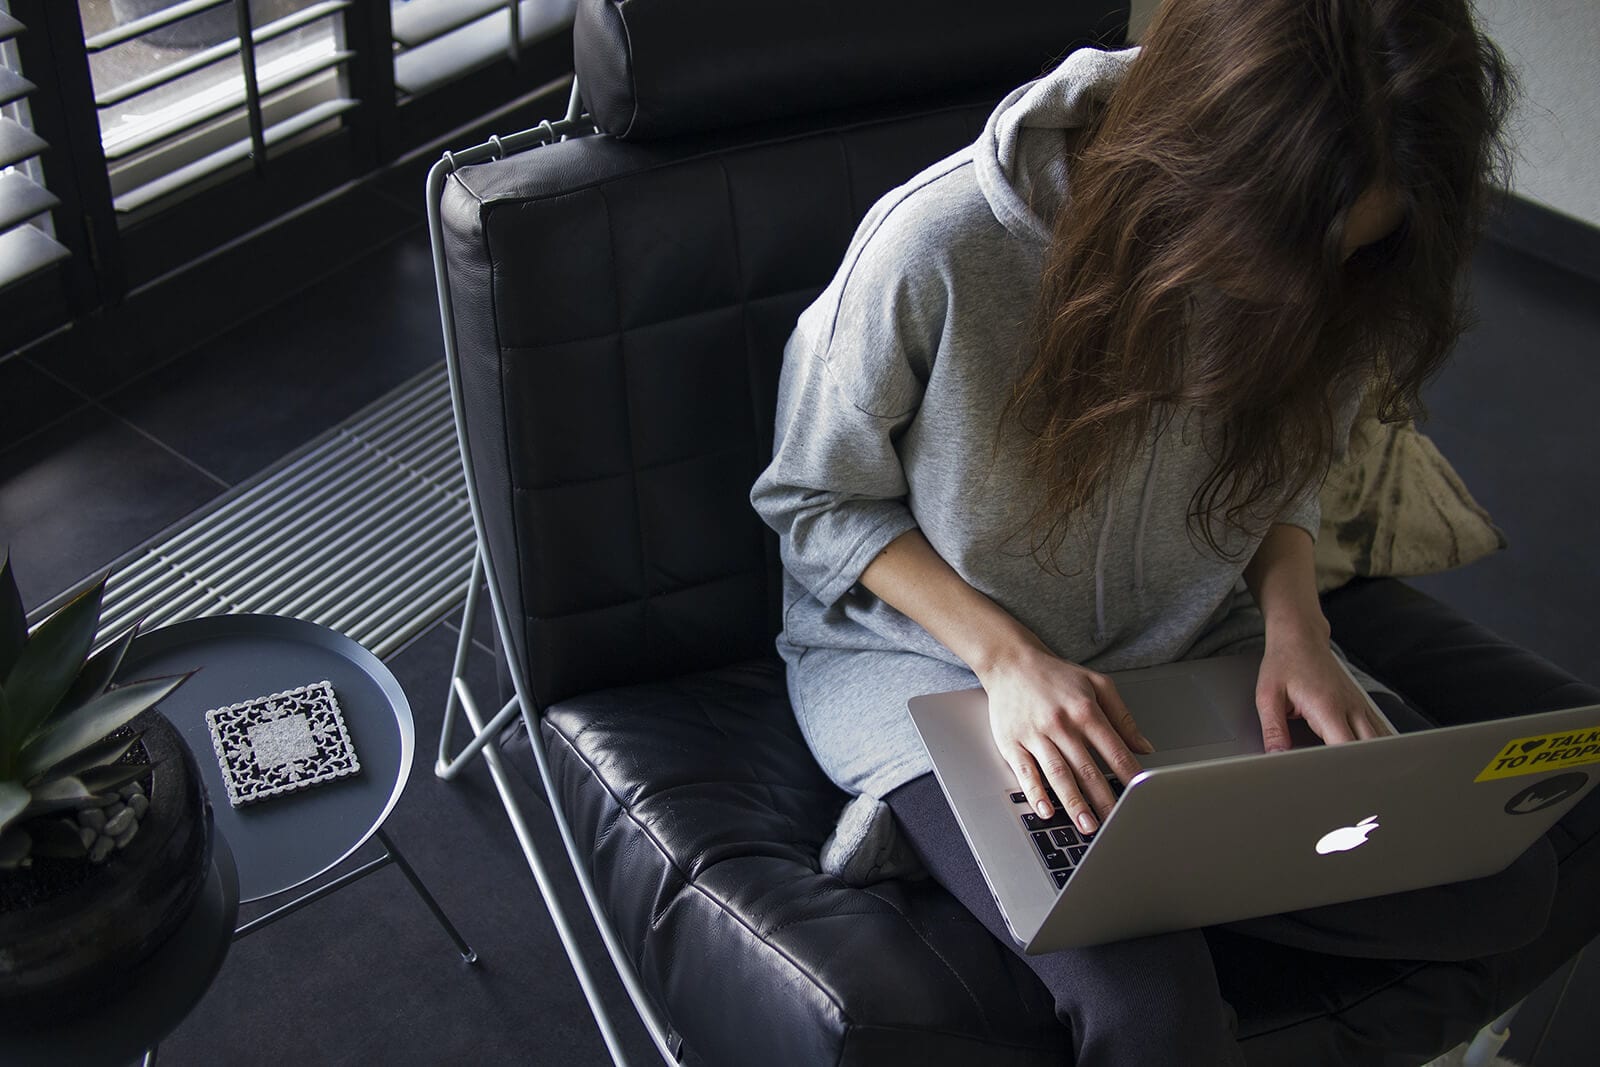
pixel 703 814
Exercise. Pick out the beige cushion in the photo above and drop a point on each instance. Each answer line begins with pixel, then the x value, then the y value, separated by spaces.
pixel 1393 506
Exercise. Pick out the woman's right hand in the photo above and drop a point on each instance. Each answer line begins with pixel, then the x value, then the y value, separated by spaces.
pixel 1049 718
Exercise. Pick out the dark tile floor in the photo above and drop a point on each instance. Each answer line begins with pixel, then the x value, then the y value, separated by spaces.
pixel 84 480
pixel 330 351
pixel 83 490
pixel 365 976
pixel 1515 412
pixel 33 400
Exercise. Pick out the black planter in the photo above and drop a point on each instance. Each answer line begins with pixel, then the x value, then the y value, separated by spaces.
pixel 56 957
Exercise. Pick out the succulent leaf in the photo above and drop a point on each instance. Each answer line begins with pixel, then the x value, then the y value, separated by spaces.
pixel 15 844
pixel 49 662
pixel 96 675
pixel 13 802
pixel 13 618
pixel 81 728
pixel 8 751
pixel 105 779
pixel 58 794
pixel 57 838
pixel 100 754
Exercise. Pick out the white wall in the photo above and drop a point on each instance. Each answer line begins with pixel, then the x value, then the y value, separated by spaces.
pixel 1142 10
pixel 1555 47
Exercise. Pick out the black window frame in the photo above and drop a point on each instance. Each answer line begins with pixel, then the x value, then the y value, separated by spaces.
pixel 83 304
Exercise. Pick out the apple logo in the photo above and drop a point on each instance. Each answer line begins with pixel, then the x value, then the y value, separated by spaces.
pixel 1346 838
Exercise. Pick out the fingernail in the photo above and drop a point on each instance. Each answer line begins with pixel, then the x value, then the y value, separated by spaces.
pixel 1044 809
pixel 1086 823
pixel 1147 746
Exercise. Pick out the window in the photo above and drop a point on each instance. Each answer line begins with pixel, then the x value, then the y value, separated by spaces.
pixel 184 90
pixel 179 130
pixel 436 41
pixel 27 231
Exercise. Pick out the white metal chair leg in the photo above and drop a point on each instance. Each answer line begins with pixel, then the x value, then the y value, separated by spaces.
pixel 460 700
pixel 483 734
pixel 461 697
pixel 1490 1040
pixel 666 1041
pixel 591 992
pixel 443 767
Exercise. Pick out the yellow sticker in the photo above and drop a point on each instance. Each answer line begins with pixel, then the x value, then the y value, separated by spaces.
pixel 1547 752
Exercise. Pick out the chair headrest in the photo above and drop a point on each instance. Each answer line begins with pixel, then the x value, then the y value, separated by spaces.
pixel 654 68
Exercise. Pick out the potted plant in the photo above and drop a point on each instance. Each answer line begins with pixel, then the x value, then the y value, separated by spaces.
pixel 105 831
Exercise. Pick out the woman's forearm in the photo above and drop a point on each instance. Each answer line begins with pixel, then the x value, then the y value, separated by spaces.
pixel 915 580
pixel 1051 720
pixel 1300 676
pixel 1282 577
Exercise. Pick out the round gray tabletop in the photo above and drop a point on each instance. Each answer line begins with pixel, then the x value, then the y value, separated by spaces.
pixel 286 840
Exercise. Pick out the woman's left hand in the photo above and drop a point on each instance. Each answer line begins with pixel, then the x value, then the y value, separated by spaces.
pixel 1301 678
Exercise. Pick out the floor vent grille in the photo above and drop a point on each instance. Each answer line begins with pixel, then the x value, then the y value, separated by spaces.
pixel 366 530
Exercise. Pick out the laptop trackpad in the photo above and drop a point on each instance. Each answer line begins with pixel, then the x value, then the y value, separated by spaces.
pixel 1174 713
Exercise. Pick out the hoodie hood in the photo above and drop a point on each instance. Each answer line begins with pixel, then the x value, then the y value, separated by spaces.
pixel 1022 173
pixel 1020 166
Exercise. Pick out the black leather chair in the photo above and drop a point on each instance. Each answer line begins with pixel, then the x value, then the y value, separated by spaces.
pixel 616 307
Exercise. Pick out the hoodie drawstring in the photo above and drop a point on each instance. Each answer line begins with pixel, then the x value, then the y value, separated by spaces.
pixel 1144 516
pixel 1145 496
pixel 1100 569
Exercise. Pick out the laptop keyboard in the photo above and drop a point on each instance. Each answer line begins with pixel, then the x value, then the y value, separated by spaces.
pixel 1058 844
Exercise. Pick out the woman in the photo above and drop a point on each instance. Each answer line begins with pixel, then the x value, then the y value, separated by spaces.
pixel 1065 410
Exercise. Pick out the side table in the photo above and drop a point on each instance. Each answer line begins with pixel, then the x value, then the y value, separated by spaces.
pixel 285 841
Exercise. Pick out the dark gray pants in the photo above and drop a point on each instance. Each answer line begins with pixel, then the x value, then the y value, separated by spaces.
pixel 1155 1000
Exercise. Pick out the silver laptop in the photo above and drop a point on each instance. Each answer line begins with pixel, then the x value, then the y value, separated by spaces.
pixel 1215 830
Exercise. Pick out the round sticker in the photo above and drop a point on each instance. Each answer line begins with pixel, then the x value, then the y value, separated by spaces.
pixel 1541 795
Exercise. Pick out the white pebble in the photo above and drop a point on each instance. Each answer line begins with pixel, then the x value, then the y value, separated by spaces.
pixel 118 824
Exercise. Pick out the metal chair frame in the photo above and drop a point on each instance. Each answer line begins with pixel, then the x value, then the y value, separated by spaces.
pixel 1480 1052
pixel 460 698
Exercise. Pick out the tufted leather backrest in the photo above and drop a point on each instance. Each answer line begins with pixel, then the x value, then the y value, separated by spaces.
pixel 620 312
pixel 660 68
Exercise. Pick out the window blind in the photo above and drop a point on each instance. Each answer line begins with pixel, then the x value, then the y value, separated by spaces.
pixel 178 128
pixel 27 232
pixel 439 41
pixel 185 90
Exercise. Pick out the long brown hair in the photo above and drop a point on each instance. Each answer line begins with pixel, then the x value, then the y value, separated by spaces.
pixel 1198 262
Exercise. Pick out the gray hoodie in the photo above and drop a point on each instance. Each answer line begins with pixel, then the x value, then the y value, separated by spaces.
pixel 893 385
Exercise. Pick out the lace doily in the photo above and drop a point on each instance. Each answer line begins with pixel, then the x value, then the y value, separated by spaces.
pixel 280 743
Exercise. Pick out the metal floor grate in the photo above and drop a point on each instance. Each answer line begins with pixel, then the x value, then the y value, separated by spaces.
pixel 365 530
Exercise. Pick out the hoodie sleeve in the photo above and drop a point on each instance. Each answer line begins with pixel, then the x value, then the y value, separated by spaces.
pixel 1305 511
pixel 853 377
